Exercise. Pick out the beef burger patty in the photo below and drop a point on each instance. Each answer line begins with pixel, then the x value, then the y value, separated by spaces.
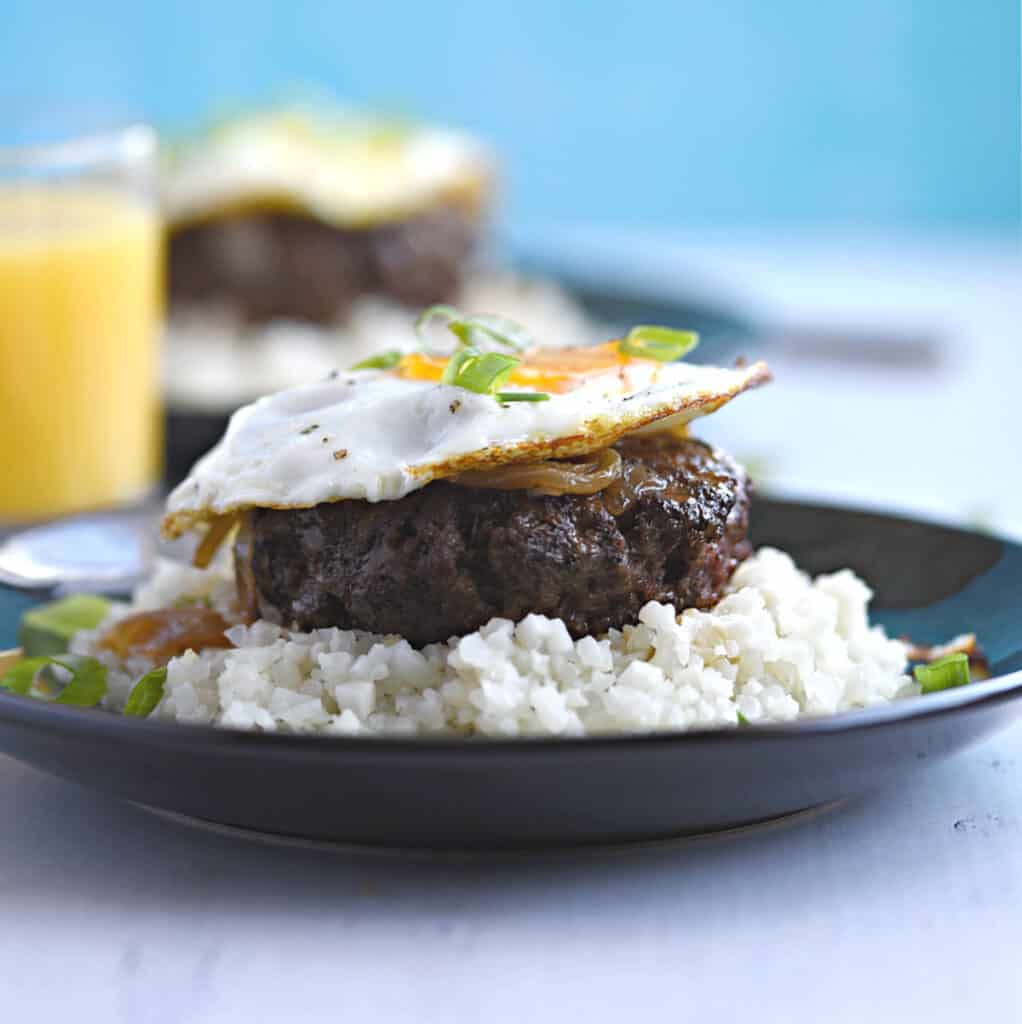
pixel 444 560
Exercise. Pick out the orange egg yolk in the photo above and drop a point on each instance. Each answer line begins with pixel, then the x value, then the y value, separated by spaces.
pixel 554 370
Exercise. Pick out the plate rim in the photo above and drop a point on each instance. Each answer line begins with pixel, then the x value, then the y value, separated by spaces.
pixel 99 724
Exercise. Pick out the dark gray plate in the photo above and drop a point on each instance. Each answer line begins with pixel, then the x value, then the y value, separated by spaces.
pixel 930 581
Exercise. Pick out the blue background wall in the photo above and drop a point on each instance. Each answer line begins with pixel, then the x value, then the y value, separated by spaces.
pixel 902 112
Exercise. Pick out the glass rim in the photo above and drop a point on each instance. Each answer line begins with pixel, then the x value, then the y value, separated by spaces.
pixel 131 142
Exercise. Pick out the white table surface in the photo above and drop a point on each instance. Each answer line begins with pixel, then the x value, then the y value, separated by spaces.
pixel 904 906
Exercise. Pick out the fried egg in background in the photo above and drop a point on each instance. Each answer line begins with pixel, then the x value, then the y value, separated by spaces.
pixel 378 435
pixel 342 166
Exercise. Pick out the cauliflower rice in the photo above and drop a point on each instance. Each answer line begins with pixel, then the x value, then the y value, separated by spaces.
pixel 778 646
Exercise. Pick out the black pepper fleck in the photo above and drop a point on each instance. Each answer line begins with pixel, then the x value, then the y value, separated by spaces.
pixel 455 405
pixel 309 429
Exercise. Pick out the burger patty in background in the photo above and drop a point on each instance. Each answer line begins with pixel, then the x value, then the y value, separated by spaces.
pixel 444 560
pixel 267 266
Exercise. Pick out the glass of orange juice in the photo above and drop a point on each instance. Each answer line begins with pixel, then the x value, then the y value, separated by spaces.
pixel 81 310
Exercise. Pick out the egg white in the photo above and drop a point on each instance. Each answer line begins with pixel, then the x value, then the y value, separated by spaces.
pixel 374 436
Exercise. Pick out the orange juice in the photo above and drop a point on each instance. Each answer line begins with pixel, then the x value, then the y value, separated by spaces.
pixel 81 281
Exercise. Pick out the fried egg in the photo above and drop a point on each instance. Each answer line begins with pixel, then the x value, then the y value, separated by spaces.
pixel 340 167
pixel 377 435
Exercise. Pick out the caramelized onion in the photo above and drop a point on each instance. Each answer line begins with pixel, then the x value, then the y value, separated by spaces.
pixel 637 479
pixel 588 475
pixel 216 533
pixel 165 633
pixel 244 575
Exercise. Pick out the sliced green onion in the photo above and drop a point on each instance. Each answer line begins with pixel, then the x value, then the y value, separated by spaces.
pixel 19 679
pixel 86 687
pixel 457 363
pixel 146 693
pixel 482 372
pixel 88 680
pixel 522 396
pixel 383 361
pixel 448 313
pixel 465 333
pixel 661 343
pixel 467 329
pixel 944 673
pixel 742 720
pixel 499 328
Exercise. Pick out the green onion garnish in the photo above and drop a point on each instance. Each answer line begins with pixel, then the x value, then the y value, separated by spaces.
pixel 456 363
pixel 88 681
pixel 742 720
pixel 660 343
pixel 448 313
pixel 473 369
pixel 146 693
pixel 482 372
pixel 503 331
pixel 86 687
pixel 943 674
pixel 467 329
pixel 522 396
pixel 383 361
pixel 19 679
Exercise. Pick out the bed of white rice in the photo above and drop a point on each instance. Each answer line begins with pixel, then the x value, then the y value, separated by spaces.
pixel 778 646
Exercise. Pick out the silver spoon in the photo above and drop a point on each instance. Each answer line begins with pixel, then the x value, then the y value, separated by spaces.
pixel 105 552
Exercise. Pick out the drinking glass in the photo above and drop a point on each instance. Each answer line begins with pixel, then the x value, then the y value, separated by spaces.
pixel 81 311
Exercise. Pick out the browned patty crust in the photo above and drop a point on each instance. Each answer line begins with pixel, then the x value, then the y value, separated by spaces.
pixel 444 560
